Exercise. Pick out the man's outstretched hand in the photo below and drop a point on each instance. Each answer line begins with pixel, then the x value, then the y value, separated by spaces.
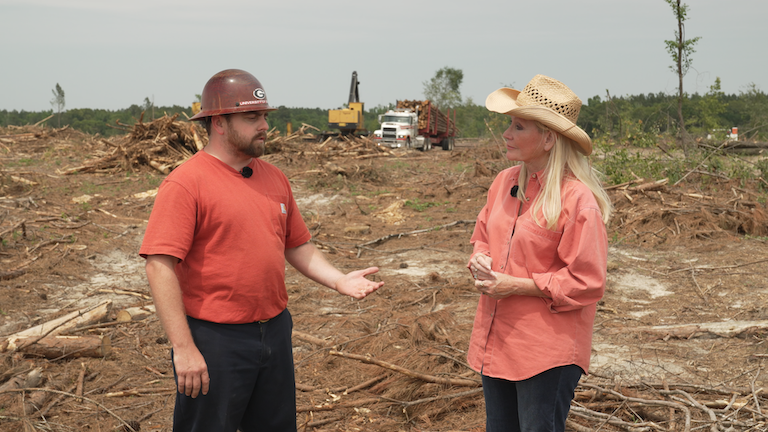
pixel 355 284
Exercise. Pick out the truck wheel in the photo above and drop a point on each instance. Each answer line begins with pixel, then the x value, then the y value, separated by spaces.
pixel 427 144
pixel 446 144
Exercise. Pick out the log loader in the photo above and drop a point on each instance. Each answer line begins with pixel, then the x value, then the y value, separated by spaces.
pixel 349 120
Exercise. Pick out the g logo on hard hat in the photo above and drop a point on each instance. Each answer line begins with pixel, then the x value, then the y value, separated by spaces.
pixel 259 93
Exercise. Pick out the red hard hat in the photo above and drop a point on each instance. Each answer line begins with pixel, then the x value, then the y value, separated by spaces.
pixel 232 91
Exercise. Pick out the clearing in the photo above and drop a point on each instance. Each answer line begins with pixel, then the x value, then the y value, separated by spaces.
pixel 679 339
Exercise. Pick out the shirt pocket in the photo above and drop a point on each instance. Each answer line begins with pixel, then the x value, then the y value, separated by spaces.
pixel 278 212
pixel 533 247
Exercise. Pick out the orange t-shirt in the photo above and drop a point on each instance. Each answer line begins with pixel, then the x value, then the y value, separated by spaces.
pixel 230 234
pixel 518 337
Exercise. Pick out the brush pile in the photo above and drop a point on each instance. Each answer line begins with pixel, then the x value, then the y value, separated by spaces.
pixel 167 142
pixel 162 144
pixel 652 212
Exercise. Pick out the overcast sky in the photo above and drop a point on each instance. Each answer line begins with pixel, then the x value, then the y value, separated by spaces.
pixel 112 54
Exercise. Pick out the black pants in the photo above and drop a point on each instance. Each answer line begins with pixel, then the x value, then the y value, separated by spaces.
pixel 252 378
pixel 537 404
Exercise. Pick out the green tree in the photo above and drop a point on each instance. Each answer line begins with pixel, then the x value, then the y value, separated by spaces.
pixel 680 49
pixel 58 102
pixel 149 106
pixel 711 108
pixel 754 119
pixel 443 88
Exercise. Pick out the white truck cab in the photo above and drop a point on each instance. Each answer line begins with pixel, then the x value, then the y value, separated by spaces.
pixel 399 129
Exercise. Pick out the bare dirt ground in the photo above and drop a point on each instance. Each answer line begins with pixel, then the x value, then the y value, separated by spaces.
pixel 679 341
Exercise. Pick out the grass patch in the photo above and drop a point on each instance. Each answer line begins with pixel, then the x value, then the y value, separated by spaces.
pixel 420 206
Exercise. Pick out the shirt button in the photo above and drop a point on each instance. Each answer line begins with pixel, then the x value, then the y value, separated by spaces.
pixel 534 175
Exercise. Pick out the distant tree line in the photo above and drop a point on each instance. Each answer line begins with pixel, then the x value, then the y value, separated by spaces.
pixel 92 121
pixel 636 119
pixel 644 117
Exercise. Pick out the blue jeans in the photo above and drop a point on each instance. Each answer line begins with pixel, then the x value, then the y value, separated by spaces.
pixel 252 379
pixel 537 404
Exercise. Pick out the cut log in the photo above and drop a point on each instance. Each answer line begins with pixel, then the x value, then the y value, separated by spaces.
pixel 43 120
pixel 160 167
pixel 701 330
pixel 357 229
pixel 198 142
pixel 654 185
pixel 86 316
pixel 311 339
pixel 36 400
pixel 54 347
pixel 137 313
pixel 12 274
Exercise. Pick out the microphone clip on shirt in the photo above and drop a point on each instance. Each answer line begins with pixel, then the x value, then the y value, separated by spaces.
pixel 246 172
pixel 513 191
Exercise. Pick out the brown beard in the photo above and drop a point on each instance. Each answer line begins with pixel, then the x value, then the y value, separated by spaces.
pixel 248 147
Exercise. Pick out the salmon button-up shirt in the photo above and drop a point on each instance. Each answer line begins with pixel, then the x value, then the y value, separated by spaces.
pixel 517 337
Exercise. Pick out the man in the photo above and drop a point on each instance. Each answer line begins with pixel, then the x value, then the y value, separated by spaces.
pixel 222 227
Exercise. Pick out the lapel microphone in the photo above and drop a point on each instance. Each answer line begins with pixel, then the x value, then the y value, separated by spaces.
pixel 513 192
pixel 246 172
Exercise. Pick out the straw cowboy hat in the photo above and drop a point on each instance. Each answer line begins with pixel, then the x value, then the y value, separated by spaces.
pixel 547 101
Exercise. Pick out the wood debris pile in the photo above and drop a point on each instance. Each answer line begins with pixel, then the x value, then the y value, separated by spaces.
pixel 166 143
pixel 600 404
pixel 32 133
pixel 302 144
pixel 655 212
pixel 162 144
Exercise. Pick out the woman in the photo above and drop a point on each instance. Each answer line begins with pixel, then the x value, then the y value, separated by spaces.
pixel 539 261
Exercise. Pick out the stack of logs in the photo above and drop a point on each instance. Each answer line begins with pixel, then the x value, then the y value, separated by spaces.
pixel 430 117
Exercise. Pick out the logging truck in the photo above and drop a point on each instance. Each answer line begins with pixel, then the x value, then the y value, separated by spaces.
pixel 416 124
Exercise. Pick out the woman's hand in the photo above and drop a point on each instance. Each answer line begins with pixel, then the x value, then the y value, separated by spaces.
pixel 495 285
pixel 487 281
pixel 499 285
pixel 480 266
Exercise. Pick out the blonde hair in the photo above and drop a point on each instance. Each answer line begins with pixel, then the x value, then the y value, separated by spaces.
pixel 564 162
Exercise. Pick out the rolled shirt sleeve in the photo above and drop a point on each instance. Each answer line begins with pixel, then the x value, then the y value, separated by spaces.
pixel 582 253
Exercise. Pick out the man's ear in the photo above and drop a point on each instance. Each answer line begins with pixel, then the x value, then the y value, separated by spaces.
pixel 218 124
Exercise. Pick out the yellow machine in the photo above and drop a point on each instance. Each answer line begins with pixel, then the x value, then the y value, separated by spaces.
pixel 349 120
